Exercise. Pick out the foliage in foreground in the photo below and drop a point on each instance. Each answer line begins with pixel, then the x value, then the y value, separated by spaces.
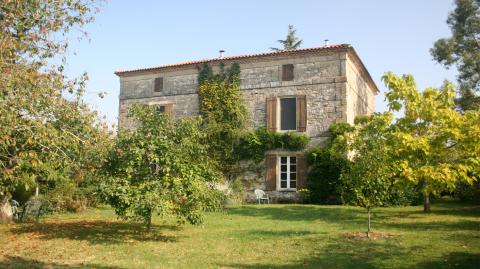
pixel 369 181
pixel 44 136
pixel 435 147
pixel 430 146
pixel 162 168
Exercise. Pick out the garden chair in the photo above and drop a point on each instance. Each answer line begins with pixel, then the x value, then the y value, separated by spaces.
pixel 16 209
pixel 31 210
pixel 261 196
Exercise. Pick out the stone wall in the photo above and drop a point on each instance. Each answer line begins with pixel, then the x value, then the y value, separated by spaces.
pixel 321 77
pixel 360 95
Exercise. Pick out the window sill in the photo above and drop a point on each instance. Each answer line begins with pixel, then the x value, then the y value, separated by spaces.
pixel 287 190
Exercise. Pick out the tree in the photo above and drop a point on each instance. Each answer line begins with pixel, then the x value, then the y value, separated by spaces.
pixel 434 145
pixel 161 168
pixel 291 42
pixel 463 50
pixel 368 181
pixel 43 135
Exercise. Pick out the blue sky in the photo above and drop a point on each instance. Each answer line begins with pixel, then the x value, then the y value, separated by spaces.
pixel 388 35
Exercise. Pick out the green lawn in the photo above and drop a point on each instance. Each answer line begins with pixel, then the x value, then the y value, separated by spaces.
pixel 273 236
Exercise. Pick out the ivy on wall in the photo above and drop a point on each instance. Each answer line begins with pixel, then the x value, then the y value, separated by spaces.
pixel 223 110
pixel 253 145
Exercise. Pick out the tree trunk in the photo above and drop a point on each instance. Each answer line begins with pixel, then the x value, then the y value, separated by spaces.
pixel 369 222
pixel 426 202
pixel 149 220
pixel 6 213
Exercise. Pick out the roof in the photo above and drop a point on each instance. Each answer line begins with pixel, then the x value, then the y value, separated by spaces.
pixel 336 47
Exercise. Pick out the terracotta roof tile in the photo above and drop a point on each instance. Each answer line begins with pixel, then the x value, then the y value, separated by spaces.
pixel 330 47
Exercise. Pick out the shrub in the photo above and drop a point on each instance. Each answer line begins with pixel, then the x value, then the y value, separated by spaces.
pixel 323 177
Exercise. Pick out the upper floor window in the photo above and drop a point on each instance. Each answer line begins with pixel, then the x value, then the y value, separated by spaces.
pixel 158 84
pixel 288 114
pixel 287 72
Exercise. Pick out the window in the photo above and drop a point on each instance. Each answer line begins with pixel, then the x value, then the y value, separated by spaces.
pixel 287 72
pixel 288 114
pixel 288 173
pixel 160 109
pixel 158 85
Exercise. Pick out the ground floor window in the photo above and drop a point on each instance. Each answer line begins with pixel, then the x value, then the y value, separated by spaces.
pixel 288 173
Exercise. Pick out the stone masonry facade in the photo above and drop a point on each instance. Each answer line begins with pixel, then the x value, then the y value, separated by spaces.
pixel 336 84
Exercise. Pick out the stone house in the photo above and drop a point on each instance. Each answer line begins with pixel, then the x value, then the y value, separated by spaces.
pixel 303 90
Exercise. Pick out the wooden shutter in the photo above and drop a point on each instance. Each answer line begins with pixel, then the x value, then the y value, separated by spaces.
pixel 301 113
pixel 287 72
pixel 271 172
pixel 302 171
pixel 271 113
pixel 158 85
pixel 169 109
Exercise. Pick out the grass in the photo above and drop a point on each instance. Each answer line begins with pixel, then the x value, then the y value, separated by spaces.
pixel 252 237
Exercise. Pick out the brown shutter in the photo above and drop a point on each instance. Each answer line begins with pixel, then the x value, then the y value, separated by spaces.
pixel 287 72
pixel 302 171
pixel 169 109
pixel 158 85
pixel 271 172
pixel 271 113
pixel 301 113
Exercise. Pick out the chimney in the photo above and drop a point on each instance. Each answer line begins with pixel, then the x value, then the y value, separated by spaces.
pixel 221 53
pixel 326 43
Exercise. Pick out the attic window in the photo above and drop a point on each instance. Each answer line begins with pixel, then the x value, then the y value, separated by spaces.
pixel 287 72
pixel 158 85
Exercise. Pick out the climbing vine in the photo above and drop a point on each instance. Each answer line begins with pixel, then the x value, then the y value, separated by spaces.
pixel 253 145
pixel 223 111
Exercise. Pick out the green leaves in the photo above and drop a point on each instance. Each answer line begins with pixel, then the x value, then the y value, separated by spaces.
pixel 462 49
pixel 291 41
pixel 431 145
pixel 161 168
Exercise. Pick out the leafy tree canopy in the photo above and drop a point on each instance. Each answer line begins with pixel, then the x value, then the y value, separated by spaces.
pixel 368 181
pixel 43 135
pixel 161 168
pixel 462 49
pixel 435 146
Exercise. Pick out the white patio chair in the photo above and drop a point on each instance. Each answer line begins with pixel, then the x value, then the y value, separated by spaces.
pixel 261 196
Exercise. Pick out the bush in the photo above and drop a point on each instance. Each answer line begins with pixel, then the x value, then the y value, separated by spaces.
pixel 324 177
pixel 468 193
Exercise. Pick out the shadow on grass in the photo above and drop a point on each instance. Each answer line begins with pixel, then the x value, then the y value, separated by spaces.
pixel 369 254
pixel 357 216
pixel 263 234
pixel 343 253
pixel 462 260
pixel 97 231
pixel 10 262
pixel 302 213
